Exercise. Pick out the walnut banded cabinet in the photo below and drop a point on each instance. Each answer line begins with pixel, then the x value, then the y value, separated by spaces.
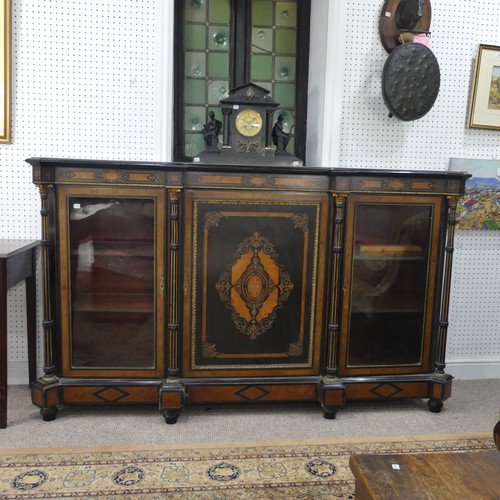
pixel 177 284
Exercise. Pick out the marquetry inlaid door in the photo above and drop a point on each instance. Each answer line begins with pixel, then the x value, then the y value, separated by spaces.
pixel 253 283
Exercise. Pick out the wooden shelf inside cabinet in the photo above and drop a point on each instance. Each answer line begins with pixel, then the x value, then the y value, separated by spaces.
pixel 389 252
pixel 386 304
pixel 115 302
pixel 120 249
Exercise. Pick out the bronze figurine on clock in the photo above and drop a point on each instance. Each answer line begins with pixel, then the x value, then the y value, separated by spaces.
pixel 248 134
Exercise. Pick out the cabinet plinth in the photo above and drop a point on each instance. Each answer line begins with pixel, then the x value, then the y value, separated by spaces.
pixel 180 284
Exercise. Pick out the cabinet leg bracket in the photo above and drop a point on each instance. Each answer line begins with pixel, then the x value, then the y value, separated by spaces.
pixel 172 400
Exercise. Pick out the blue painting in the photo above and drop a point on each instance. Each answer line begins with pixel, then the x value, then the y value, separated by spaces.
pixel 480 206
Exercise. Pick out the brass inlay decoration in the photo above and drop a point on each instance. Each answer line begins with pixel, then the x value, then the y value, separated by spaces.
pixel 255 286
pixel 385 390
pixel 153 177
pixel 258 180
pixel 252 393
pixel 295 349
pixel 248 147
pixel 396 185
pixel 110 394
pixel 209 350
pixel 111 176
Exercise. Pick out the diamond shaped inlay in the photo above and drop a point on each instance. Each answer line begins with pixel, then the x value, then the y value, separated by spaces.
pixel 252 393
pixel 386 390
pixel 110 394
pixel 254 286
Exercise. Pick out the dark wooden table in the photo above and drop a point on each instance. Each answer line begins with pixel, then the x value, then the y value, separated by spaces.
pixel 17 263
pixel 436 476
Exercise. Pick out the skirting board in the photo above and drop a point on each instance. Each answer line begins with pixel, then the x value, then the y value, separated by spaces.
pixel 17 372
pixel 473 370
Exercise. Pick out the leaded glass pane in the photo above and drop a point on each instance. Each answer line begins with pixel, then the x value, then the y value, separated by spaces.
pixel 212 63
pixel 273 56
pixel 206 65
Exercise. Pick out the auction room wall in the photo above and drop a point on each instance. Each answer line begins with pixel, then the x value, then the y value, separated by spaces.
pixel 93 80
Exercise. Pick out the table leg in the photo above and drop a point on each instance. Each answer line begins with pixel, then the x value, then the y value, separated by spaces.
pixel 31 318
pixel 3 343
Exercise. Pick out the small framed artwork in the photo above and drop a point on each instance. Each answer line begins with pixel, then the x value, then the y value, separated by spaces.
pixel 484 108
pixel 480 206
pixel 5 27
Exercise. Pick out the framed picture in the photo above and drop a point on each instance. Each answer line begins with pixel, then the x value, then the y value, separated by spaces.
pixel 484 108
pixel 5 70
pixel 480 206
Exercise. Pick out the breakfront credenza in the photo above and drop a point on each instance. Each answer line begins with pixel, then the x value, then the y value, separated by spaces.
pixel 176 284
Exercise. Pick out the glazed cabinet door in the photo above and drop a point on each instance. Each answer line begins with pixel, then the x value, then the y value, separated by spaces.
pixel 391 256
pixel 254 274
pixel 111 280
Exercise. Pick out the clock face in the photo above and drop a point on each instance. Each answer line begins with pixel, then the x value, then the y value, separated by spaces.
pixel 248 122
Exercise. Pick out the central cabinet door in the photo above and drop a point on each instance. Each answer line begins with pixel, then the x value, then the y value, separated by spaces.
pixel 112 279
pixel 253 283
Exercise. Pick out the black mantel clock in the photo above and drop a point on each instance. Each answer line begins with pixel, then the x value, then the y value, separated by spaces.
pixel 248 133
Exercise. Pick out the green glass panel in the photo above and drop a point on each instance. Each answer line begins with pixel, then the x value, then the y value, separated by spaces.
pixel 284 69
pixel 266 85
pixel 262 40
pixel 286 14
pixel 194 91
pixel 219 11
pixel 217 90
pixel 194 64
pixel 195 11
pixel 218 65
pixel 194 118
pixel 195 37
pixel 262 67
pixel 194 144
pixel 284 93
pixel 285 41
pixel 262 13
pixel 218 38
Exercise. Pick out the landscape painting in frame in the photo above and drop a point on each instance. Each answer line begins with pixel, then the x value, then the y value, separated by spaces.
pixel 480 206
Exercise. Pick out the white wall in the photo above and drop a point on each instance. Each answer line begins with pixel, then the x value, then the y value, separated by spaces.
pixel 93 80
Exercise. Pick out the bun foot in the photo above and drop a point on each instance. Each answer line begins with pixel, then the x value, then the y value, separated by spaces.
pixel 434 405
pixel 329 414
pixel 49 414
pixel 170 416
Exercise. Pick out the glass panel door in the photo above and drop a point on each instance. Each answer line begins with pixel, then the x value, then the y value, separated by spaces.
pixel 111 262
pixel 392 248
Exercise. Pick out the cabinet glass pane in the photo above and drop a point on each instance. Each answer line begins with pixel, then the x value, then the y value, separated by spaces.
pixel 112 282
pixel 389 284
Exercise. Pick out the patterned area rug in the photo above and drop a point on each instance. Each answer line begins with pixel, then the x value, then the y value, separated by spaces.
pixel 290 470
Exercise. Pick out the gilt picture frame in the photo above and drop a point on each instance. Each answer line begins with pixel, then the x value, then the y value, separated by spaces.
pixel 484 106
pixel 5 67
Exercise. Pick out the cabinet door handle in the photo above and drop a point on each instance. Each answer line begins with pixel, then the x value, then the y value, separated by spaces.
pixel 186 286
pixel 162 286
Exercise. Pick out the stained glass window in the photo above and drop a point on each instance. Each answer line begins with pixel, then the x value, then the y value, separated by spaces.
pixel 227 43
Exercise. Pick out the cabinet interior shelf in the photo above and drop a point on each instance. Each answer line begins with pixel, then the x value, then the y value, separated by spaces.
pixel 386 304
pixel 389 252
pixel 119 249
pixel 115 302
